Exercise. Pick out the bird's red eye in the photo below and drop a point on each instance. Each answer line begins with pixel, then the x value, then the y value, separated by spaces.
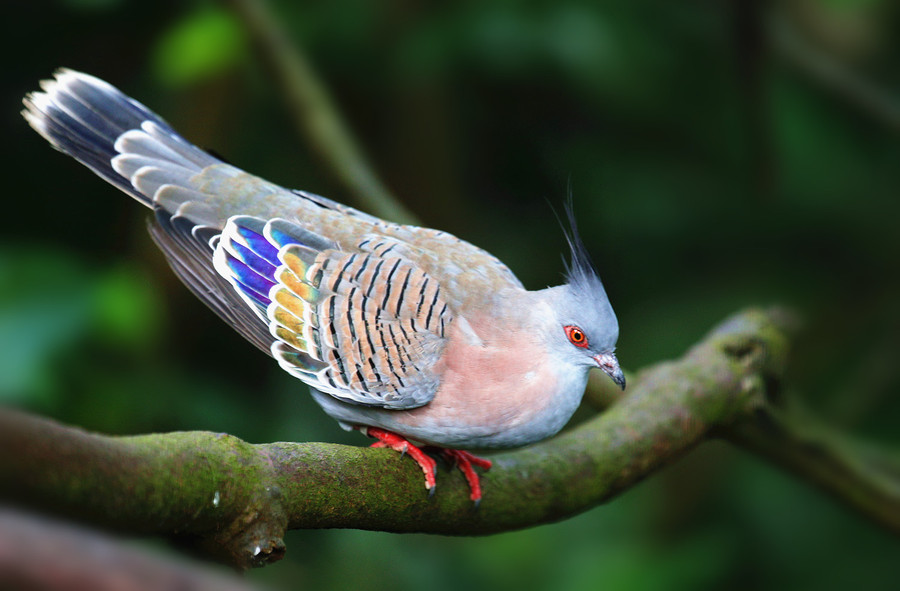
pixel 576 336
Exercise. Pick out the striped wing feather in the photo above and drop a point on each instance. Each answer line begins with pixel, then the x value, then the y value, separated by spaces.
pixel 363 326
pixel 347 302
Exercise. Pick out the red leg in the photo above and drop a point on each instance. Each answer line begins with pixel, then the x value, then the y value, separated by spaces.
pixel 399 443
pixel 464 460
pixel 461 459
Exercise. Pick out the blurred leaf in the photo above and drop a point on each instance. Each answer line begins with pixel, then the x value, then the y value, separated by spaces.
pixel 128 308
pixel 45 306
pixel 823 158
pixel 793 526
pixel 50 304
pixel 697 563
pixel 203 44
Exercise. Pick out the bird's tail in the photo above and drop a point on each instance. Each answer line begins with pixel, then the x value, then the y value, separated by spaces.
pixel 112 134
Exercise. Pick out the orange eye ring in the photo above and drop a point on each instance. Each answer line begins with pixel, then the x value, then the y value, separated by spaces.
pixel 576 336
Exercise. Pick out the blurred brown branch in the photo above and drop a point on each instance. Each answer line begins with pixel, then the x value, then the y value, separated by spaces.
pixel 313 111
pixel 832 75
pixel 235 500
pixel 864 478
pixel 39 554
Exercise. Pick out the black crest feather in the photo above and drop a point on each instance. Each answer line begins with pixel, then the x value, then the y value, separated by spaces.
pixel 580 269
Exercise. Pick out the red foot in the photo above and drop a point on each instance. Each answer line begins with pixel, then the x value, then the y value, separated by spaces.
pixel 399 443
pixel 461 459
pixel 464 461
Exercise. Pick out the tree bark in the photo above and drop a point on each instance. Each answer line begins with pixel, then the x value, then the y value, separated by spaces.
pixel 234 500
pixel 39 554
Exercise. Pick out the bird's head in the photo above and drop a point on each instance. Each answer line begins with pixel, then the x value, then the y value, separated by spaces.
pixel 585 329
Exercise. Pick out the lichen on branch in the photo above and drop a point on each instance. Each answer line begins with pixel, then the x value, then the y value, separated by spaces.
pixel 234 500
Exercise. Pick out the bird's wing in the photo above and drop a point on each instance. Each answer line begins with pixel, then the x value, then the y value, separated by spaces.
pixel 363 325
pixel 461 266
pixel 194 195
pixel 189 249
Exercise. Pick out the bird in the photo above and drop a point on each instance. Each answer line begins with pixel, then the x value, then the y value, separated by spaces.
pixel 410 335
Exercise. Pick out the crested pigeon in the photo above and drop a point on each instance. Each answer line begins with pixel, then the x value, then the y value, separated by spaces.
pixel 407 334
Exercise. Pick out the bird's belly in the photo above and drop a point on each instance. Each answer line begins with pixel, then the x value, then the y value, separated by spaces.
pixel 500 413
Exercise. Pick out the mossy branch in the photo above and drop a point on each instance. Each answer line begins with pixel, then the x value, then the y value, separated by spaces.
pixel 234 500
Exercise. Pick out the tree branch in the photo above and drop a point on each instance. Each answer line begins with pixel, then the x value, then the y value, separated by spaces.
pixel 856 90
pixel 313 111
pixel 37 553
pixel 234 500
pixel 866 479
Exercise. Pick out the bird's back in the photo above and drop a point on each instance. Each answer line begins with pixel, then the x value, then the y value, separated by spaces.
pixel 355 306
pixel 192 192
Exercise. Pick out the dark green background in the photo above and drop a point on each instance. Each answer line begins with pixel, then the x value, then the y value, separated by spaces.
pixel 710 170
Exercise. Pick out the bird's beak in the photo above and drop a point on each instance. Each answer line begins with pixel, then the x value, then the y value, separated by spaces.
pixel 610 365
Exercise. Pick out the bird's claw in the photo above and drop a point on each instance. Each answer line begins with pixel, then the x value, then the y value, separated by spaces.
pixel 456 457
pixel 400 444
pixel 464 461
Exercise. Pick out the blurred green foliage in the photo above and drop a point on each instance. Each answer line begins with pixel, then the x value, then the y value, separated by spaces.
pixel 36 325
pixel 710 172
pixel 200 45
